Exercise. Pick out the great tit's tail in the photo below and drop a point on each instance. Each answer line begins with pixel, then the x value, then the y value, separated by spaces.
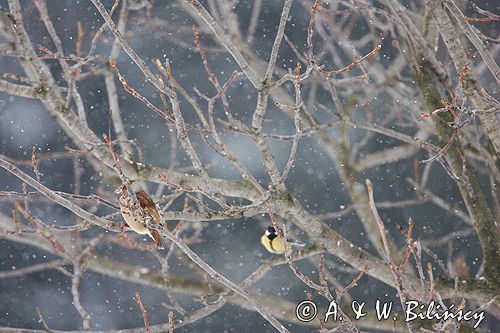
pixel 297 244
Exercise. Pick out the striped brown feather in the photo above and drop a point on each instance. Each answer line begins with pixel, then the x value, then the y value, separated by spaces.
pixel 148 205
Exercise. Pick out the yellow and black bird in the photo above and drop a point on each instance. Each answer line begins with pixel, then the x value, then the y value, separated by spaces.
pixel 272 241
pixel 133 217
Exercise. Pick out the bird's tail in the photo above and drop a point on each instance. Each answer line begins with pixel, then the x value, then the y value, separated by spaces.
pixel 157 238
pixel 293 243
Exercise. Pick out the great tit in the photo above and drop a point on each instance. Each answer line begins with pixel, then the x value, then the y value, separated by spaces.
pixel 272 241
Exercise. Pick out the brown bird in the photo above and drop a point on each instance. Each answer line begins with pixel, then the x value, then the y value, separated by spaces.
pixel 133 218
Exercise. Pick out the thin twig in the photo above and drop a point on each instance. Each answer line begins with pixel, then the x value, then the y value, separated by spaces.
pixel 143 311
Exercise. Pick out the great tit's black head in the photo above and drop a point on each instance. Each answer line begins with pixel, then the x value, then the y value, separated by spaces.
pixel 271 232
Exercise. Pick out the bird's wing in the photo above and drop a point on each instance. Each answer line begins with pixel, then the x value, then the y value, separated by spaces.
pixel 278 245
pixel 148 205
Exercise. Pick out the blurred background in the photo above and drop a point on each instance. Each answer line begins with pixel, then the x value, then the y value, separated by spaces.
pixel 163 29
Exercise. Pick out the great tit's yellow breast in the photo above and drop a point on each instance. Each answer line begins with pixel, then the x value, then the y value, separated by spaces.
pixel 276 245
pixel 267 243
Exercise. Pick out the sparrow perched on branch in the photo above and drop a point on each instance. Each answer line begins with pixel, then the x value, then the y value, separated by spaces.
pixel 135 218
